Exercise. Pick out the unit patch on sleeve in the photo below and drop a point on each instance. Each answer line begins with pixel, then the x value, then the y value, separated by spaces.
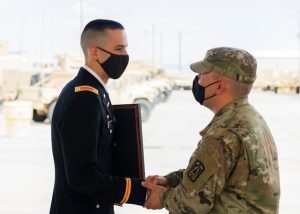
pixel 196 171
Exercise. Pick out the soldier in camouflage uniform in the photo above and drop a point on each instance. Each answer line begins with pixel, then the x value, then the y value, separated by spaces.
pixel 234 168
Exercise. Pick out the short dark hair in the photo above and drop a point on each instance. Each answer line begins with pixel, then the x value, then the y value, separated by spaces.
pixel 101 25
pixel 96 29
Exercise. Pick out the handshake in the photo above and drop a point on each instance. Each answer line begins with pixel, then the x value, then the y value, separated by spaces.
pixel 154 184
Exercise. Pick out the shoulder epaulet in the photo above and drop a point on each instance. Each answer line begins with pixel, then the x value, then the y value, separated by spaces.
pixel 86 88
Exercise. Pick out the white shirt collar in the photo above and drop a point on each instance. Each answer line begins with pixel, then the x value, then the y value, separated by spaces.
pixel 95 75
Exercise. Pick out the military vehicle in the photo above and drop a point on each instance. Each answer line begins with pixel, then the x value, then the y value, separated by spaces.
pixel 163 87
pixel 141 83
pixel 137 85
pixel 182 80
pixel 263 82
pixel 12 79
pixel 286 82
pixel 134 93
pixel 44 93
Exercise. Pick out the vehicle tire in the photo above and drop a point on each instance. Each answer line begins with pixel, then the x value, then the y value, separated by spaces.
pixel 276 90
pixel 145 107
pixel 51 110
pixel 164 96
pixel 38 118
pixel 298 90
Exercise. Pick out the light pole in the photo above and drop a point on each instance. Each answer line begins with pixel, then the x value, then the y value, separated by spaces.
pixel 81 22
pixel 81 15
pixel 179 49
pixel 298 36
pixel 161 50
pixel 146 48
pixel 153 44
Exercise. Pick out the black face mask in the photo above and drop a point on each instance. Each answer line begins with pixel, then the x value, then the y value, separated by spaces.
pixel 115 65
pixel 199 91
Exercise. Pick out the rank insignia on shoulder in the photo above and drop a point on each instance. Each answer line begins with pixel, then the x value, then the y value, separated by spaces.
pixel 196 170
pixel 86 88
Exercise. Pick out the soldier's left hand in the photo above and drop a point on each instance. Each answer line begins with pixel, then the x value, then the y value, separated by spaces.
pixel 153 201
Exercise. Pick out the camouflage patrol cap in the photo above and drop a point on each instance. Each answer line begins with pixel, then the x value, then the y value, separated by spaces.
pixel 236 64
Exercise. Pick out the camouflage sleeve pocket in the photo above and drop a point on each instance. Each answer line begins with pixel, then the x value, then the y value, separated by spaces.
pixel 203 164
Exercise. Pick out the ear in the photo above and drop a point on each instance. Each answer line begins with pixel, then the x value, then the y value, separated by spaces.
pixel 93 54
pixel 221 86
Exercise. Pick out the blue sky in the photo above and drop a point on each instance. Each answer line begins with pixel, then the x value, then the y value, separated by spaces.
pixel 43 28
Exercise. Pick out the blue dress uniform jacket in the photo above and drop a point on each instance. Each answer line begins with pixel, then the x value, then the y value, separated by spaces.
pixel 82 143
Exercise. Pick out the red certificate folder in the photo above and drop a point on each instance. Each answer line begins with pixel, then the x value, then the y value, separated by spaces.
pixel 128 156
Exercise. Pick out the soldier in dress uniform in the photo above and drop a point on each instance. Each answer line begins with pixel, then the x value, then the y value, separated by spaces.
pixel 234 168
pixel 83 127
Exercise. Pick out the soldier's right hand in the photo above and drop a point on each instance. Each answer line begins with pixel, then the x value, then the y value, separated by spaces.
pixel 158 180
